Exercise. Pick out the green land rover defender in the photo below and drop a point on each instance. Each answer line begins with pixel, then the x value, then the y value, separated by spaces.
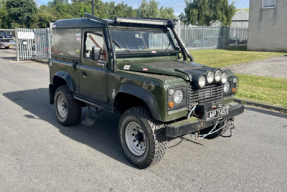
pixel 141 68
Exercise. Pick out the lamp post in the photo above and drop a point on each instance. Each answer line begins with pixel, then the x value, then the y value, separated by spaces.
pixel 92 7
pixel 139 11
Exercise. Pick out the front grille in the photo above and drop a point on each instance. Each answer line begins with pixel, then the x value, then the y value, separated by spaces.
pixel 209 94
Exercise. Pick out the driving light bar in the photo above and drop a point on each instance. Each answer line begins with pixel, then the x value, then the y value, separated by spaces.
pixel 141 21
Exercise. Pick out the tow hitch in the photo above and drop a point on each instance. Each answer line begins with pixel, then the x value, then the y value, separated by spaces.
pixel 230 123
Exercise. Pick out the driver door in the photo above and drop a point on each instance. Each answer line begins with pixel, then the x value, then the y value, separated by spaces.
pixel 92 74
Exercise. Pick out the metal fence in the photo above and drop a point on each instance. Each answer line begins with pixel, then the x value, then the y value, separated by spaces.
pixel 213 37
pixel 35 43
pixel 32 43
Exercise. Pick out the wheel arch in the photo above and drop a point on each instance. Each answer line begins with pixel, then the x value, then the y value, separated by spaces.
pixel 130 96
pixel 59 79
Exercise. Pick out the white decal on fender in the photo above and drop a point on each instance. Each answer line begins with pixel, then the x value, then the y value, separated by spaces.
pixel 127 67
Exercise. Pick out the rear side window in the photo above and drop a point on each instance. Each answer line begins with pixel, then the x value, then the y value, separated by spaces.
pixel 66 42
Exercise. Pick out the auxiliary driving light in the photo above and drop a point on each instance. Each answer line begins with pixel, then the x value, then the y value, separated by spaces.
pixel 224 78
pixel 201 81
pixel 218 75
pixel 210 76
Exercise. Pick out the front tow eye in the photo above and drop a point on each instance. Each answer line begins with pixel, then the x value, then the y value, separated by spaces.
pixel 231 126
pixel 230 123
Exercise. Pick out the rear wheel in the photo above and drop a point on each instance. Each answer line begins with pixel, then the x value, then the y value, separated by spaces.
pixel 67 109
pixel 142 138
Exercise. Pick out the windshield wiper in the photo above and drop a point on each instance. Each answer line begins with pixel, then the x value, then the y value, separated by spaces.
pixel 167 47
pixel 117 44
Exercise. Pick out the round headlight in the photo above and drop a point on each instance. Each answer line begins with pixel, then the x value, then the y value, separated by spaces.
pixel 178 96
pixel 218 75
pixel 210 77
pixel 201 81
pixel 226 87
pixel 224 78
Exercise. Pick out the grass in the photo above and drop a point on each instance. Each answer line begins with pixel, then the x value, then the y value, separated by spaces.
pixel 220 58
pixel 267 90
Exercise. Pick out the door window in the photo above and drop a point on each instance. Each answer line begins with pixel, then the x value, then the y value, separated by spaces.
pixel 94 39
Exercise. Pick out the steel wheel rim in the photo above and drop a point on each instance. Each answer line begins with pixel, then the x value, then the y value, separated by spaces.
pixel 135 138
pixel 62 106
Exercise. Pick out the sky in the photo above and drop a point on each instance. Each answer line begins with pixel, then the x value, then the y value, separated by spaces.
pixel 178 5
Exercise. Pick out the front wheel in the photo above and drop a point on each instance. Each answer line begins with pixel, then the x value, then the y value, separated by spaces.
pixel 142 138
pixel 67 109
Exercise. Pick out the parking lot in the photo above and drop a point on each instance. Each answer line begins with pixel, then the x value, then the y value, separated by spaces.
pixel 38 154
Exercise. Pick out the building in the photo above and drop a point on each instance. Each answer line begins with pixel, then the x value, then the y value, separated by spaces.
pixel 239 20
pixel 267 25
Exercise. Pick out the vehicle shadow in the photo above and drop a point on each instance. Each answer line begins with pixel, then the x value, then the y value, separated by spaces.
pixel 102 136
pixel 8 54
pixel 9 58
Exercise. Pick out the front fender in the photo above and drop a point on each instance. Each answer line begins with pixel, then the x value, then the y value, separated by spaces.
pixel 144 95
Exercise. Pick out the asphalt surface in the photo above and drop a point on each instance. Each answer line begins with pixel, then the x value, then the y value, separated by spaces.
pixel 271 67
pixel 38 154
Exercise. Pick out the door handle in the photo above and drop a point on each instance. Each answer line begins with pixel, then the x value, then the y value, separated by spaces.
pixel 75 65
pixel 85 74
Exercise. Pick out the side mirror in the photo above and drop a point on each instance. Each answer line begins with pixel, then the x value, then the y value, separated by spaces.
pixel 96 53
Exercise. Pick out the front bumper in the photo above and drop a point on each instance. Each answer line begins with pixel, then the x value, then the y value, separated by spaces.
pixel 194 124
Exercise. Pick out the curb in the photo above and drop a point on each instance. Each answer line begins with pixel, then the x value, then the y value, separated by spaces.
pixel 262 105
pixel 40 61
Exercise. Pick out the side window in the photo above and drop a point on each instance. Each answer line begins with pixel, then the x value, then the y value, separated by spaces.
pixel 66 42
pixel 269 3
pixel 94 39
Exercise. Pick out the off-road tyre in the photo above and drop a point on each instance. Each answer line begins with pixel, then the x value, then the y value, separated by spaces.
pixel 217 134
pixel 156 140
pixel 74 108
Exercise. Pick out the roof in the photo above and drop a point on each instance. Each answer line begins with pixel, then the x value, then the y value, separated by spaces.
pixel 241 16
pixel 76 23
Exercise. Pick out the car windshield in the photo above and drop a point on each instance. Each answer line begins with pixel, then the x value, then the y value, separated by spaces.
pixel 128 40
pixel 2 33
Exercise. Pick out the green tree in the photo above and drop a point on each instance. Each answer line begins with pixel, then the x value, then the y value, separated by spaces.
pixel 150 9
pixel 167 13
pixel 79 9
pixel 2 3
pixel 21 12
pixel 206 12
pixel 24 13
pixel 45 14
pixel 4 23
pixel 57 2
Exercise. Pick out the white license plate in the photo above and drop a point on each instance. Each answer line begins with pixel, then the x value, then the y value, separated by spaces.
pixel 217 113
